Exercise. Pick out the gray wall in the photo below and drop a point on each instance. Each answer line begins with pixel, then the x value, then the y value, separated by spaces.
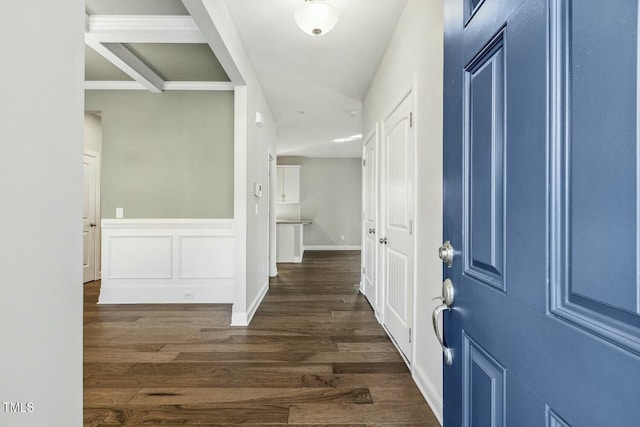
pixel 166 155
pixel 41 246
pixel 331 195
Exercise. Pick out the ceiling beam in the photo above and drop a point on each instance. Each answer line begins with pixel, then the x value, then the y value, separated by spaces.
pixel 168 86
pixel 144 29
pixel 213 36
pixel 120 56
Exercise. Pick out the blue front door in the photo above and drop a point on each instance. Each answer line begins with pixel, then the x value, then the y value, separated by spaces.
pixel 542 208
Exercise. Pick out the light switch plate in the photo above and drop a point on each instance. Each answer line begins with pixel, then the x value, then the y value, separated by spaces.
pixel 119 213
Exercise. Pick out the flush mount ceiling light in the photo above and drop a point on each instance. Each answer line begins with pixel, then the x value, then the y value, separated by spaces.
pixel 316 17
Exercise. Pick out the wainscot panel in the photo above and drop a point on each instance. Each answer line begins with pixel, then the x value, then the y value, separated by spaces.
pixel 167 261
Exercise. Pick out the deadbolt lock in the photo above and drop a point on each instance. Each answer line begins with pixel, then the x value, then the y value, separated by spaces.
pixel 445 253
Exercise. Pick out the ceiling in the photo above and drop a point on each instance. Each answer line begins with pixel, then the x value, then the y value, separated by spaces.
pixel 314 85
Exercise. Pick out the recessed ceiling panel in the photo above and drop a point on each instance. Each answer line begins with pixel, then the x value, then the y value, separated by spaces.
pixel 181 62
pixel 136 7
pixel 96 68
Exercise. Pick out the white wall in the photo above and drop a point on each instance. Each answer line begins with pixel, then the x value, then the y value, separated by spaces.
pixel 416 52
pixel 330 195
pixel 251 147
pixel 41 133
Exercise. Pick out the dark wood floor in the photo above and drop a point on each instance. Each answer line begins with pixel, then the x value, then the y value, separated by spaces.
pixel 313 355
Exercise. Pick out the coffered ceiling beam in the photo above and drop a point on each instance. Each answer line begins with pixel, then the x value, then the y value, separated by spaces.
pixel 144 29
pixel 168 86
pixel 120 56
pixel 208 25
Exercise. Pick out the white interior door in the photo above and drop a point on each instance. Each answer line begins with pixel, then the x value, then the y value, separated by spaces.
pixel 89 217
pixel 370 203
pixel 396 236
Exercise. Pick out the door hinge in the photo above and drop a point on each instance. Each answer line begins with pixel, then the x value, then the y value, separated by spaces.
pixel 410 227
pixel 364 162
pixel 362 270
pixel 411 119
pixel 409 334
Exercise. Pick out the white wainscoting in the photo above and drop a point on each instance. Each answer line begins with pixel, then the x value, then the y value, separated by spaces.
pixel 167 261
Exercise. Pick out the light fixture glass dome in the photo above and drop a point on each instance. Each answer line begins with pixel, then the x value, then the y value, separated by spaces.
pixel 316 17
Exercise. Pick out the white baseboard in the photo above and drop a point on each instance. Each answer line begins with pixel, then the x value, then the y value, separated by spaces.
pixel 219 291
pixel 431 395
pixel 251 311
pixel 332 248
pixel 244 318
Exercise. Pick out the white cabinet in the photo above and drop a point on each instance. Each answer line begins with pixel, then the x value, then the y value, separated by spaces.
pixel 288 184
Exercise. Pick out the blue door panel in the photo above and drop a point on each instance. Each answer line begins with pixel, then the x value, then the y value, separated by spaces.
pixel 542 204
pixel 602 82
pixel 527 151
pixel 483 162
pixel 483 387
pixel 523 407
pixel 594 191
pixel 572 372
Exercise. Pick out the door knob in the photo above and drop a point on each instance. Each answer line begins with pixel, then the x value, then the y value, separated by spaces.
pixel 445 253
pixel 371 231
pixel 383 241
pixel 92 224
pixel 447 302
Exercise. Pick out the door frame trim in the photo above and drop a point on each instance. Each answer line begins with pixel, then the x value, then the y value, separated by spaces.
pixel 98 236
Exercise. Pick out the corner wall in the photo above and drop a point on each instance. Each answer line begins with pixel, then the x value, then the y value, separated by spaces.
pixel 415 52
pixel 252 145
pixel 41 133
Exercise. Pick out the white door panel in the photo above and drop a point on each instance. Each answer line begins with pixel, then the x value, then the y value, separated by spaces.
pixel 89 217
pixel 370 203
pixel 397 224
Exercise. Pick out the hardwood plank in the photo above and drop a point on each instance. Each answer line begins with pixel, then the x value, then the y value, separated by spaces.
pixel 110 395
pixel 277 347
pixel 375 347
pixel 394 414
pixel 314 356
pixel 248 425
pixel 390 394
pixel 184 414
pixel 281 357
pixel 260 396
pixel 358 380
pixel 368 368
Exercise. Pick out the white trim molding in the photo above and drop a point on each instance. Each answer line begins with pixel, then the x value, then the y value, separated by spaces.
pixel 429 392
pixel 332 248
pixel 134 85
pixel 167 261
pixel 144 29
pixel 243 319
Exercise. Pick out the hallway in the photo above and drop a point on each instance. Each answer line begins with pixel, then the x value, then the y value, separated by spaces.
pixel 313 355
